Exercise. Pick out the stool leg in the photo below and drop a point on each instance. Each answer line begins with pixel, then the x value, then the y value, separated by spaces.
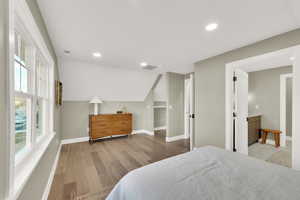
pixel 264 137
pixel 277 140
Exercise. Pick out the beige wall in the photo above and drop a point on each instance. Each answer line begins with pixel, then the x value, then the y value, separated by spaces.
pixel 3 98
pixel 160 117
pixel 210 87
pixel 175 101
pixel 149 113
pixel 264 90
pixel 289 107
pixel 75 116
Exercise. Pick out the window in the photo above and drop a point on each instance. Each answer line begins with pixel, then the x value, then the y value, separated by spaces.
pixel 23 95
pixel 31 91
pixel 31 75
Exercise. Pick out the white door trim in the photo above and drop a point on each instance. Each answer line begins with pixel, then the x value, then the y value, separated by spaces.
pixel 192 111
pixel 283 80
pixel 296 111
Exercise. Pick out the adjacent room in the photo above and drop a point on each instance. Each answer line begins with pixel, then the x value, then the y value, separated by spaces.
pixel 264 115
pixel 149 100
pixel 262 99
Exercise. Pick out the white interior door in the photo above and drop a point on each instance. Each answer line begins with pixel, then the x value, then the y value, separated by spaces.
pixel 192 111
pixel 187 108
pixel 241 111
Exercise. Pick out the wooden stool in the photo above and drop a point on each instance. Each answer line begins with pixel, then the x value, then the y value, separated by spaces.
pixel 276 134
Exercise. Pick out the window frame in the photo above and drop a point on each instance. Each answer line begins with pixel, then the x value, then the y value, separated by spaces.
pixel 20 170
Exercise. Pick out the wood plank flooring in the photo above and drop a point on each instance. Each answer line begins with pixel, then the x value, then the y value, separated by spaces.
pixel 89 172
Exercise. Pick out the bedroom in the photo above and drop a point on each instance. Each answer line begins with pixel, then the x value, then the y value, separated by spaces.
pixel 154 72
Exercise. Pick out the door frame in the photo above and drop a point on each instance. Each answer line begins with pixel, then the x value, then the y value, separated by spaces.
pixel 229 69
pixel 192 111
pixel 283 80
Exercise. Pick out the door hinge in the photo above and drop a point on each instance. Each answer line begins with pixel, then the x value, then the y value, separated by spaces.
pixel 234 78
pixel 192 116
pixel 234 114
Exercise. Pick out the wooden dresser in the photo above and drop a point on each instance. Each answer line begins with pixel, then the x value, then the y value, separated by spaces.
pixel 106 125
pixel 254 127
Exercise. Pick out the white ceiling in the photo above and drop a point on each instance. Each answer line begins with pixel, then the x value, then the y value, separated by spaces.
pixel 168 33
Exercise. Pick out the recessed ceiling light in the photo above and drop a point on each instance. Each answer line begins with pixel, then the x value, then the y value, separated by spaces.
pixel 97 55
pixel 211 27
pixel 143 64
pixel 292 58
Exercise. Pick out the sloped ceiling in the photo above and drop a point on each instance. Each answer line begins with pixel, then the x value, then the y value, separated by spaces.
pixel 82 81
pixel 168 33
pixel 160 90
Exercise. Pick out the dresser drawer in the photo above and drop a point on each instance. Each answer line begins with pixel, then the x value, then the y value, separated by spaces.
pixel 96 134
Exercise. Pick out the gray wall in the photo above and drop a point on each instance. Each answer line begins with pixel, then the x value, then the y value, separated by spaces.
pixel 160 117
pixel 210 87
pixel 3 96
pixel 75 116
pixel 264 88
pixel 149 113
pixel 160 114
pixel 175 99
pixel 289 107
pixel 36 184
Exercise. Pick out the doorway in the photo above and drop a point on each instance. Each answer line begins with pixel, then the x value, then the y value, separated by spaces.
pixel 237 98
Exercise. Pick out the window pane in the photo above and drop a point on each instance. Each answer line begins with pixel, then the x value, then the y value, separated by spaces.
pixel 17 77
pixel 39 118
pixel 42 78
pixel 21 122
pixel 24 79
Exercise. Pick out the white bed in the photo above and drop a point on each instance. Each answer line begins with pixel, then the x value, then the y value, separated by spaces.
pixel 209 173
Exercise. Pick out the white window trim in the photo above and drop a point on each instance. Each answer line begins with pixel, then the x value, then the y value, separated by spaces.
pixel 20 10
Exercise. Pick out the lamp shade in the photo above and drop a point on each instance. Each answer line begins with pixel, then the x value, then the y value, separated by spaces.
pixel 96 100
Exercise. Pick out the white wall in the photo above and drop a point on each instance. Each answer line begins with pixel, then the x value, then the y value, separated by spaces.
pixel 82 81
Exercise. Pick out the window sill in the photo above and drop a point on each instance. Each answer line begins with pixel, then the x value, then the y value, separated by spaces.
pixel 24 171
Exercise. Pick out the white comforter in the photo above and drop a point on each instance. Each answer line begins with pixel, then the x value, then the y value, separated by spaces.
pixel 209 173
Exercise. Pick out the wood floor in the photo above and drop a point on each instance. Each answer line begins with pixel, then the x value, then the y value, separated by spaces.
pixel 89 172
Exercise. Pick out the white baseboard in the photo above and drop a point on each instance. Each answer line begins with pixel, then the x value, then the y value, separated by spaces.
pixel 85 139
pixel 175 138
pixel 160 128
pixel 142 131
pixel 186 136
pixel 51 176
pixel 75 140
